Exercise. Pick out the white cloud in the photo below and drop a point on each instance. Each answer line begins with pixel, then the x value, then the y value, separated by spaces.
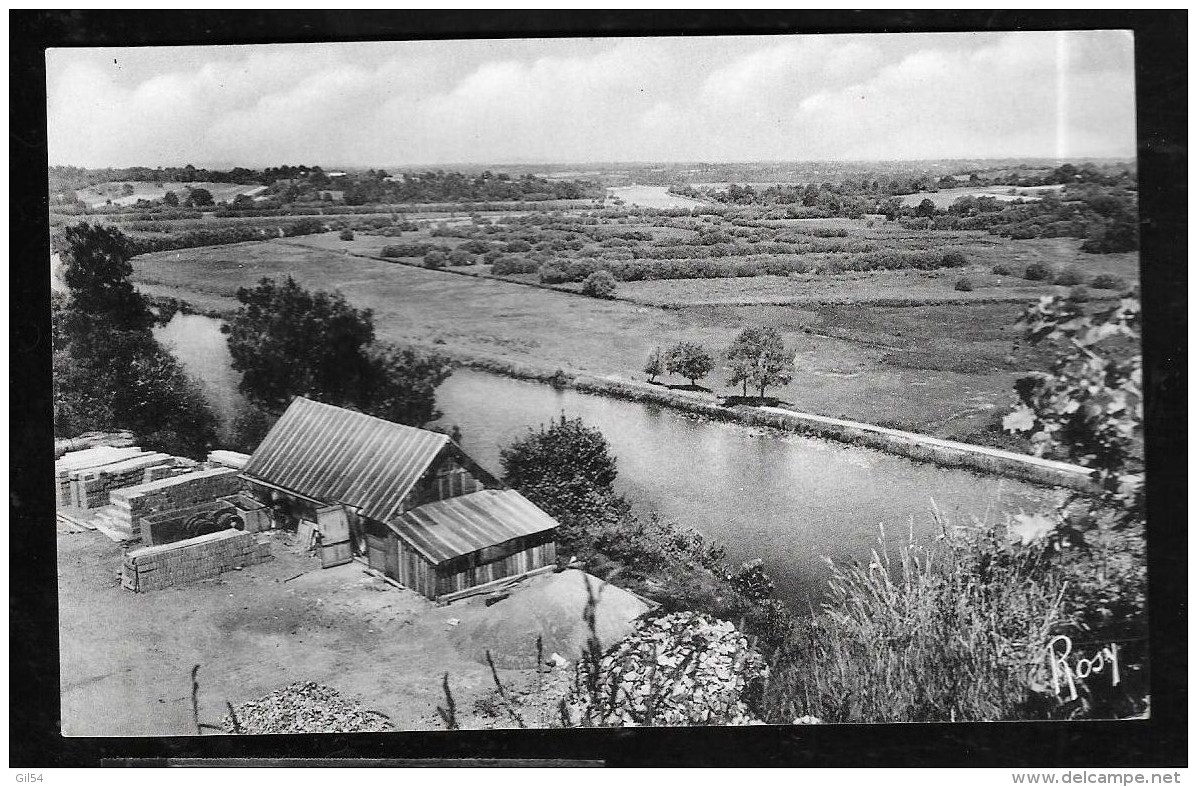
pixel 906 96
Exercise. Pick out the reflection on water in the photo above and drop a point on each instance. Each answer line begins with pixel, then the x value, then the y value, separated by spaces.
pixel 786 499
pixel 198 343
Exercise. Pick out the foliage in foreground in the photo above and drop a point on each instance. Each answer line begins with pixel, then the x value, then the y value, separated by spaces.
pixel 959 630
pixel 1088 407
pixel 680 669
pixel 954 631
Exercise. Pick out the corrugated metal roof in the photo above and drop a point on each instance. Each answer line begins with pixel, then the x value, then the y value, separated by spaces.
pixel 327 453
pixel 461 525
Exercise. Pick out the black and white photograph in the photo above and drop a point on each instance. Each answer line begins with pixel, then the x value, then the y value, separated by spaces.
pixel 454 384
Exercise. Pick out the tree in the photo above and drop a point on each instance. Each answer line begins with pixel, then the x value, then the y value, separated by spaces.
pixel 567 469
pixel 403 383
pixel 96 270
pixel 654 367
pixel 200 198
pixel 758 357
pixel 287 341
pixel 170 199
pixel 600 284
pixel 926 208
pixel 690 360
pixel 1089 405
pixel 109 372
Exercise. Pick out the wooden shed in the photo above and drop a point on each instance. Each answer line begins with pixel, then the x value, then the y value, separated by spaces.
pixel 408 501
pixel 450 547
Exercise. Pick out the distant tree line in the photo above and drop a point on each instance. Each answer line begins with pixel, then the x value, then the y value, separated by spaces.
pixel 441 186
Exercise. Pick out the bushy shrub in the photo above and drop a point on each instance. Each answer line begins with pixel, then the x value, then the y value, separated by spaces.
pixel 474 247
pixel 346 234
pixel 507 266
pixel 1069 277
pixel 600 284
pixel 305 226
pixel 1107 281
pixel 1038 271
pixel 434 260
pixel 964 284
pixel 409 249
pixel 1078 294
pixel 459 257
pixel 1002 269
pixel 954 259
pixel 553 273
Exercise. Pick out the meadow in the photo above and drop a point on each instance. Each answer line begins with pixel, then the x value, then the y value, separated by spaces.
pixel 945 197
pixel 944 369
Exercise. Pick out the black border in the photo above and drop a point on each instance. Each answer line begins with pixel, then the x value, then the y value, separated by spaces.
pixel 1161 69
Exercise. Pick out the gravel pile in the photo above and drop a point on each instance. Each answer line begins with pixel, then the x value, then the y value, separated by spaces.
pixel 305 707
pixel 681 669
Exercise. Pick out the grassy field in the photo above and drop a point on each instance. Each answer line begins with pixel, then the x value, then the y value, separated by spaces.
pixel 945 369
pixel 98 195
pixel 945 197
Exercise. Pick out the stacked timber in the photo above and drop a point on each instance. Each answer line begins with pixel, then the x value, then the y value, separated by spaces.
pixel 87 440
pixel 86 459
pixel 90 487
pixel 234 459
pixel 194 487
pixel 157 567
pixel 180 466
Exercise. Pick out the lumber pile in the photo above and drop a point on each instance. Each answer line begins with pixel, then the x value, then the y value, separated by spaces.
pixel 87 440
pixel 91 486
pixel 132 504
pixel 84 459
pixel 229 459
pixel 203 557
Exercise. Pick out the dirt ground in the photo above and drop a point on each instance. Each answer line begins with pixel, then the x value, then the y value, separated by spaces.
pixel 126 658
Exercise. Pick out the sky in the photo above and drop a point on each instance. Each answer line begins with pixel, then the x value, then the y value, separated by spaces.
pixel 858 97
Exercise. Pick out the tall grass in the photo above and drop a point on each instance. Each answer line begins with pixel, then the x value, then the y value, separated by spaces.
pixel 951 631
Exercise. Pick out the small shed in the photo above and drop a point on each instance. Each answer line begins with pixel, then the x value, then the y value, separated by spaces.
pixel 409 502
pixel 448 548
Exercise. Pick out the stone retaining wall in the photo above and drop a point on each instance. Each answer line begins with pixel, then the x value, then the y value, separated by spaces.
pixel 183 562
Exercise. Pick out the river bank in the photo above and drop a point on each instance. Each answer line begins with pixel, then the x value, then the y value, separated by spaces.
pixel 943 453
